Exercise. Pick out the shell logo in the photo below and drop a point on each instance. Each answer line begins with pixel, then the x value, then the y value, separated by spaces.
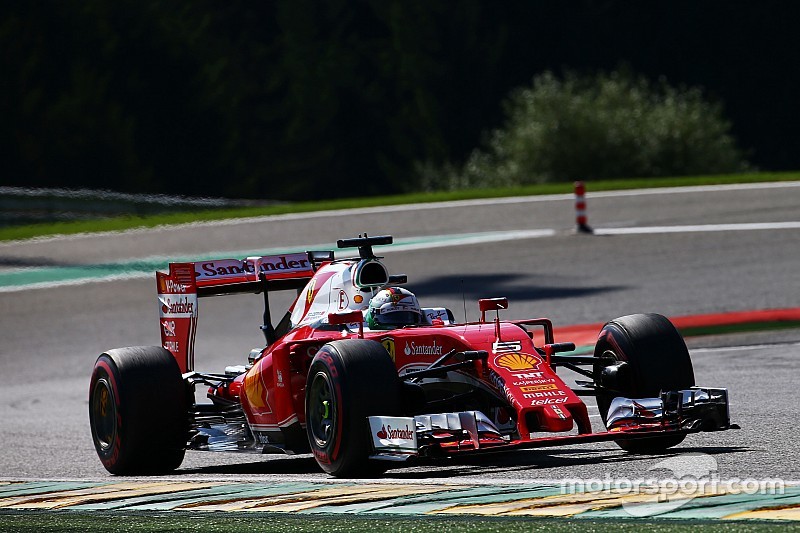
pixel 256 392
pixel 518 361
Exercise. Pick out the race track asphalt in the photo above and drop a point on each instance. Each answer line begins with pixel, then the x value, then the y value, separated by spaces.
pixel 51 337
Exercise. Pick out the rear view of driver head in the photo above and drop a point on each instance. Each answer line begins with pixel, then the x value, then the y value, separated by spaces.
pixel 392 308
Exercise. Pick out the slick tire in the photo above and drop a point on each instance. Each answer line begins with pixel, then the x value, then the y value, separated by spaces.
pixel 657 360
pixel 138 411
pixel 348 381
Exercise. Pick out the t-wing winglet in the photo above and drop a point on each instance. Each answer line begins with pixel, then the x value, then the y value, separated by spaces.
pixel 364 244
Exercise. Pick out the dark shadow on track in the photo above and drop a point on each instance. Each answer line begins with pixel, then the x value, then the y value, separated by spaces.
pixel 541 459
pixel 492 463
pixel 23 262
pixel 517 287
pixel 268 466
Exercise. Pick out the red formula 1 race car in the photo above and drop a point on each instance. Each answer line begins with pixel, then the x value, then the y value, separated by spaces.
pixel 362 377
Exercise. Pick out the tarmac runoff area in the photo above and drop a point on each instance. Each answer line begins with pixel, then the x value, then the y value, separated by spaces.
pixel 715 502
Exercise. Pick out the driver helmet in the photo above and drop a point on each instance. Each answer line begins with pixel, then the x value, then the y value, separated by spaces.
pixel 393 308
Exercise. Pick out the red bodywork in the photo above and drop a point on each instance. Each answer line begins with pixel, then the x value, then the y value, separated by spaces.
pixel 539 409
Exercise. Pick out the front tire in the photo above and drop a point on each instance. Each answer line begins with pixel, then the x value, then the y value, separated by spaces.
pixel 138 411
pixel 657 360
pixel 348 380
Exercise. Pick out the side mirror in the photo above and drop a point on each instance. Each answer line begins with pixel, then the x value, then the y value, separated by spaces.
pixel 348 318
pixel 491 304
pixel 345 318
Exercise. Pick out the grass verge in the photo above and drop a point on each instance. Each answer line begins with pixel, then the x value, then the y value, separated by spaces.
pixel 128 222
pixel 126 522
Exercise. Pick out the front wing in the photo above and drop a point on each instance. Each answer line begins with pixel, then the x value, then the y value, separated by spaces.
pixel 470 432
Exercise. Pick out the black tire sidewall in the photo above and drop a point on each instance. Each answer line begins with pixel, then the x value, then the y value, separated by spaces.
pixel 364 383
pixel 657 357
pixel 151 406
pixel 329 456
pixel 105 369
pixel 657 360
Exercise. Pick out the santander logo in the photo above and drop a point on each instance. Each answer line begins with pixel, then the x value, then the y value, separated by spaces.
pixel 183 305
pixel 412 348
pixel 388 432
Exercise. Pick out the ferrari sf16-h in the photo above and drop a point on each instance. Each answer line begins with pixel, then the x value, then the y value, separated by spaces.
pixel 363 389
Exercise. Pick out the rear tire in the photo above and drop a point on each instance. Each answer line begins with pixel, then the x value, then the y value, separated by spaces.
pixel 657 360
pixel 138 411
pixel 348 381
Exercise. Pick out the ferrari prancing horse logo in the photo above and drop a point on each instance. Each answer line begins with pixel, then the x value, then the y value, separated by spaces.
pixel 388 343
pixel 310 293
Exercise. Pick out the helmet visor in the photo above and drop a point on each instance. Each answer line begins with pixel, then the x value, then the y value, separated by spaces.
pixel 397 318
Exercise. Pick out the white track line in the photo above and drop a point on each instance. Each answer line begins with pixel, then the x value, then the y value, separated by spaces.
pixel 698 228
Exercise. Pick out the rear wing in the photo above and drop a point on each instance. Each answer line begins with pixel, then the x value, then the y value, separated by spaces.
pixel 179 289
pixel 253 275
